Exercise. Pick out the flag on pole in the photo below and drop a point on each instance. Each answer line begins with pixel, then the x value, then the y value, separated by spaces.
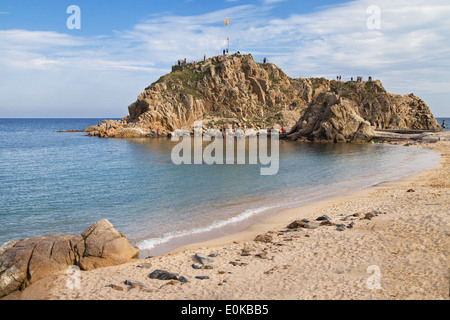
pixel 227 22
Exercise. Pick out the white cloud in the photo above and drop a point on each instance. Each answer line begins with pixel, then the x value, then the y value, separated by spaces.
pixel 410 53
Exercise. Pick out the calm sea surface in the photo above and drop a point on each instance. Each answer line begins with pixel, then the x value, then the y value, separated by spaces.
pixel 63 182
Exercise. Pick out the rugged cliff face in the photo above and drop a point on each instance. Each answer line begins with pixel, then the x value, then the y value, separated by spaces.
pixel 352 110
pixel 235 91
pixel 224 90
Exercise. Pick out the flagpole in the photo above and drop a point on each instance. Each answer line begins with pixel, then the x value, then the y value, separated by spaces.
pixel 227 22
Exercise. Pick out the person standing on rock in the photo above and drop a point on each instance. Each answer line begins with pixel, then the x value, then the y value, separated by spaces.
pixel 444 126
pixel 382 124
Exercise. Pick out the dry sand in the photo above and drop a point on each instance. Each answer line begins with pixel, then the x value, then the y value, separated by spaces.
pixel 408 243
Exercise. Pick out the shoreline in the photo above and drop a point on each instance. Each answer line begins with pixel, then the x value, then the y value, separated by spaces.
pixel 229 229
pixel 180 259
pixel 284 215
pixel 247 225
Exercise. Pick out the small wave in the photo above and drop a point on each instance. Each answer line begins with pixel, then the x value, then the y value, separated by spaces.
pixel 153 242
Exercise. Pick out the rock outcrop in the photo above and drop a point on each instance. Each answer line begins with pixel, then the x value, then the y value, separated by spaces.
pixel 237 92
pixel 332 119
pixel 101 245
pixel 351 111
pixel 26 261
pixel 223 91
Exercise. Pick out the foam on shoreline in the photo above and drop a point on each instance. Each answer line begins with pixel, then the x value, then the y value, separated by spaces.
pixel 174 240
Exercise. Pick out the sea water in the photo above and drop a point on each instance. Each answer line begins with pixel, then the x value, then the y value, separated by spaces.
pixel 61 183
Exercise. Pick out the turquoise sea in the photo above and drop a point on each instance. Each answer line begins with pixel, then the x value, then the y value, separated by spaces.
pixel 63 182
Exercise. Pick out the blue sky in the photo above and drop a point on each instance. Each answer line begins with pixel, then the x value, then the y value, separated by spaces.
pixel 47 70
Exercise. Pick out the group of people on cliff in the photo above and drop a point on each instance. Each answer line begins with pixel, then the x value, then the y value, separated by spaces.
pixel 358 79
pixel 181 62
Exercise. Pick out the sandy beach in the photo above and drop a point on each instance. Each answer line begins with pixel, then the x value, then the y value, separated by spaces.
pixel 399 251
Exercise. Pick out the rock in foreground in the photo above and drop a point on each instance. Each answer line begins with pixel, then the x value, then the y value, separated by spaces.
pixel 26 261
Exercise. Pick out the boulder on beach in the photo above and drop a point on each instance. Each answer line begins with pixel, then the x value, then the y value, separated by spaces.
pixel 264 238
pixel 23 262
pixel 100 246
pixel 163 275
pixel 296 224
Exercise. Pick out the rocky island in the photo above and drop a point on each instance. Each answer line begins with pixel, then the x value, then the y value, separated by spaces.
pixel 234 91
